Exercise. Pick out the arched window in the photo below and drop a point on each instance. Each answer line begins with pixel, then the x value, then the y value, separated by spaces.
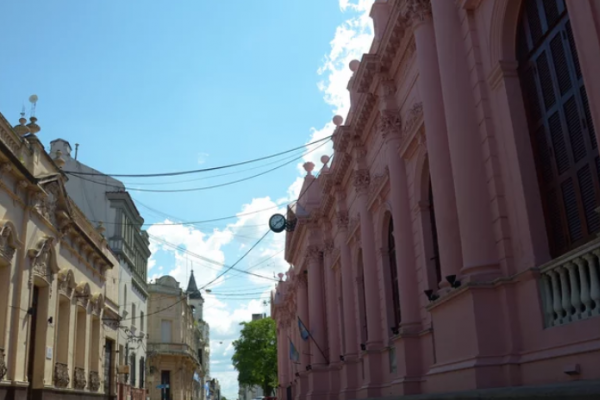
pixel 560 125
pixel 394 275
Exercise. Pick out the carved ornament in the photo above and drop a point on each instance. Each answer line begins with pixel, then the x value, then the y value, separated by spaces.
pixel 390 124
pixel 8 241
pixel 362 179
pixel 414 115
pixel 417 11
pixel 94 381
pixel 313 253
pixel 342 219
pixel 79 381
pixel 328 246
pixel 82 293
pixel 61 375
pixel 66 281
pixel 97 302
pixel 43 259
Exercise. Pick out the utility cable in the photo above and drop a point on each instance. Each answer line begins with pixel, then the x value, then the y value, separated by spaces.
pixel 197 189
pixel 203 169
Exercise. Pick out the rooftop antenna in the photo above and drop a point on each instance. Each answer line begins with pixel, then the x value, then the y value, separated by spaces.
pixel 76 150
pixel 33 100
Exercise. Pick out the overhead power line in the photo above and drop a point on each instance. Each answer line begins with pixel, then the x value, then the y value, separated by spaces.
pixel 197 189
pixel 195 171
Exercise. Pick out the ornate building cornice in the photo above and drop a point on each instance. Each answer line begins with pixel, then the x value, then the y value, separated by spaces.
pixel 417 11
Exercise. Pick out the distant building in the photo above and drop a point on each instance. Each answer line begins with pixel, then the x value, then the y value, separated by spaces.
pixel 174 368
pixel 105 201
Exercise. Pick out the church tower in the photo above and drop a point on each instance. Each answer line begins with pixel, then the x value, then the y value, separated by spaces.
pixel 195 298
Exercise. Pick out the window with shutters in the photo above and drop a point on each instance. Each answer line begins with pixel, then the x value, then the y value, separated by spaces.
pixel 394 275
pixel 560 125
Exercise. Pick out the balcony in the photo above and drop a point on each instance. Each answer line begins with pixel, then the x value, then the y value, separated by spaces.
pixel 176 349
pixel 570 286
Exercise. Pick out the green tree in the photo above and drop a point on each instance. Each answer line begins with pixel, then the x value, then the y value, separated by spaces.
pixel 255 356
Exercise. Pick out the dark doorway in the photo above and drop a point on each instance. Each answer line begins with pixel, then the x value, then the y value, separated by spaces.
pixel 434 237
pixel 33 313
pixel 108 367
pixel 165 379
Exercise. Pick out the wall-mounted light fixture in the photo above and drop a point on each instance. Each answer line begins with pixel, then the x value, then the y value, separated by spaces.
pixel 430 295
pixel 452 281
pixel 363 346
pixel 395 330
pixel 30 311
pixel 309 367
pixel 342 358
pixel 50 320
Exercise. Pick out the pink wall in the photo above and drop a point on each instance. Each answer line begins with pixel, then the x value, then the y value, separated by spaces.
pixel 440 97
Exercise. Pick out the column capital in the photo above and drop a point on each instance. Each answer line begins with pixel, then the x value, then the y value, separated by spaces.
pixel 390 124
pixel 362 179
pixel 313 253
pixel 417 11
pixel 328 246
pixel 342 219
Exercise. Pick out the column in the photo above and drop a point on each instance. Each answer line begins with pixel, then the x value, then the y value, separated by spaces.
pixel 350 312
pixel 333 330
pixel 468 168
pixel 440 167
pixel 303 314
pixel 362 180
pixel 316 323
pixel 403 236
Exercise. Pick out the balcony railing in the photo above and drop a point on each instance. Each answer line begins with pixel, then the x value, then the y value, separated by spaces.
pixel 570 286
pixel 173 348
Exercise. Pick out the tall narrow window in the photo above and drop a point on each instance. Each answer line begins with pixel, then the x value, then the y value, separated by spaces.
pixel 142 370
pixel 394 275
pixel 362 301
pixel 132 314
pixel 132 371
pixel 560 124
pixel 142 327
pixel 434 236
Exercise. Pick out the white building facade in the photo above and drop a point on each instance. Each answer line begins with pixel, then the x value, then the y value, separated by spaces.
pixel 104 200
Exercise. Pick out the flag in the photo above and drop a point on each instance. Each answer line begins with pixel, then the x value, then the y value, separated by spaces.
pixel 294 355
pixel 303 331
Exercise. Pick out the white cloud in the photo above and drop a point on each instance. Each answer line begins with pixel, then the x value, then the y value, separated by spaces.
pixel 352 38
pixel 202 158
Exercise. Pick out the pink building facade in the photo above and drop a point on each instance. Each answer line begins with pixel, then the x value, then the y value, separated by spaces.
pixel 451 243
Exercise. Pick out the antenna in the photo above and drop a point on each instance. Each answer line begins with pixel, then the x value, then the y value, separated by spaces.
pixel 23 111
pixel 33 100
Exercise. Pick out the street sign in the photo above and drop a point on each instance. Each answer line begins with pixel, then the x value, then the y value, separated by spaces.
pixel 163 386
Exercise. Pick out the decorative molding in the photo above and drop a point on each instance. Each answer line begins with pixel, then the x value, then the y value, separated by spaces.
pixel 79 381
pixel 342 220
pixel 94 381
pixel 8 241
pixel 313 253
pixel 417 11
pixel 361 181
pixel 377 184
pixel 43 260
pixel 61 375
pixel 328 246
pixel 390 124
pixel 502 70
pixel 468 4
pixel 66 282
pixel 97 303
pixel 414 115
pixel 82 293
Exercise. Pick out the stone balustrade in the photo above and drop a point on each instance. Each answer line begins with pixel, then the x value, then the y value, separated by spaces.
pixel 570 286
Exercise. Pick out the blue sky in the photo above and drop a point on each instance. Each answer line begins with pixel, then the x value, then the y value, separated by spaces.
pixel 147 86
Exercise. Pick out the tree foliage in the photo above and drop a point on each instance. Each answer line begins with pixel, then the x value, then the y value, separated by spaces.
pixel 255 355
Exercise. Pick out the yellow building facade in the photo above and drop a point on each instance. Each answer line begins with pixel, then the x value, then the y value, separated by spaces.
pixel 58 281
pixel 174 361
